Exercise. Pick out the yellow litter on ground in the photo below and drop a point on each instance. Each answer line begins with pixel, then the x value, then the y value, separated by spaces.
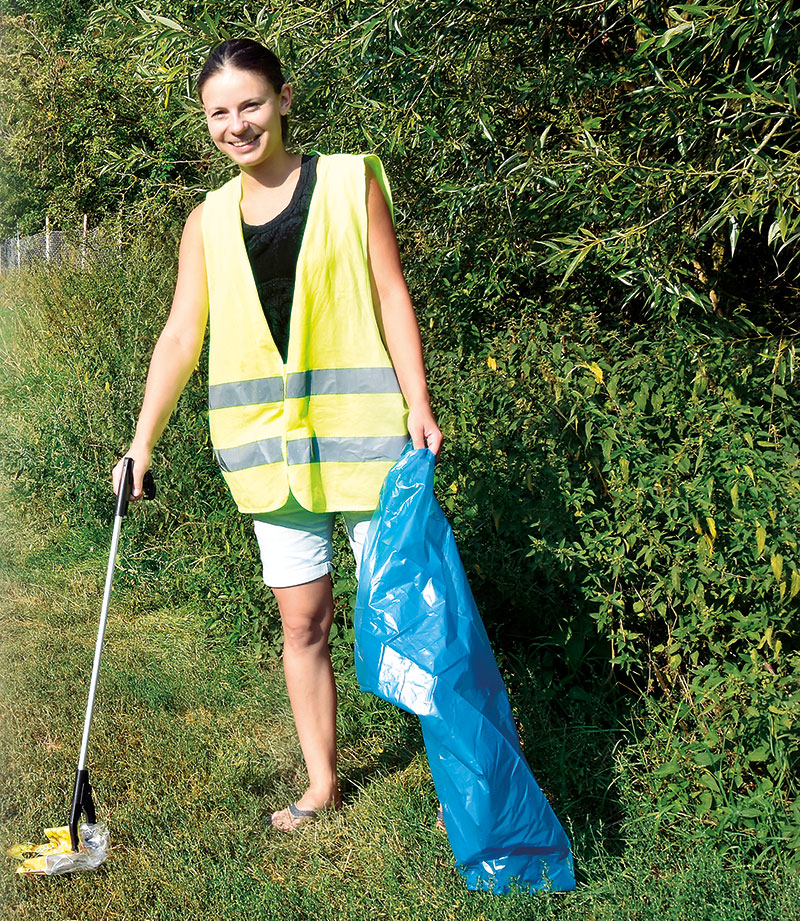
pixel 57 855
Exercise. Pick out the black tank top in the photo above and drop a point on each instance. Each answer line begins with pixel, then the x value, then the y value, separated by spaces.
pixel 273 248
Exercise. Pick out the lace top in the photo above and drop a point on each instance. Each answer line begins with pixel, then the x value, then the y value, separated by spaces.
pixel 273 248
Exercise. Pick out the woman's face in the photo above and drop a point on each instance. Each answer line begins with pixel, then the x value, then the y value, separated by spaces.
pixel 243 112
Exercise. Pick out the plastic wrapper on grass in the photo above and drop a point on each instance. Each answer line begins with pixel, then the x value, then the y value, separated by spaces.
pixel 421 644
pixel 57 857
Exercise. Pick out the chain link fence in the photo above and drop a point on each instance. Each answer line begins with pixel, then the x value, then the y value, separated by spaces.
pixel 51 246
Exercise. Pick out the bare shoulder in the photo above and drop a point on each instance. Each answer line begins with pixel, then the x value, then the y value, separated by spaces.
pixel 192 237
pixel 194 223
pixel 376 200
pixel 373 180
pixel 190 303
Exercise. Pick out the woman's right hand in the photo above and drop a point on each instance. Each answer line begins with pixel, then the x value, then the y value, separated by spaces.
pixel 141 464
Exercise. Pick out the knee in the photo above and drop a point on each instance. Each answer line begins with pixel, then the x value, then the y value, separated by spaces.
pixel 307 629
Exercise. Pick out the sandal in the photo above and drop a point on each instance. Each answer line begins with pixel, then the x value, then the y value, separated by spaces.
pixel 299 816
pixel 440 826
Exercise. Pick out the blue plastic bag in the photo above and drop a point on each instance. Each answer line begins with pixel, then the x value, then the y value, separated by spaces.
pixel 420 644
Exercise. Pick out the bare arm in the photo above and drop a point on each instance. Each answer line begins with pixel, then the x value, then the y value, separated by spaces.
pixel 176 353
pixel 397 320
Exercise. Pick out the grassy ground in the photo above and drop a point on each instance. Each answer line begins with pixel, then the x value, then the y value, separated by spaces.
pixel 193 746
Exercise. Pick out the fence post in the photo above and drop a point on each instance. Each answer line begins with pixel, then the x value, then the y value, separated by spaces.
pixel 19 249
pixel 47 237
pixel 83 240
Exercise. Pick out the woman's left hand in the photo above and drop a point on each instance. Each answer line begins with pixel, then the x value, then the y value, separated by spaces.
pixel 424 431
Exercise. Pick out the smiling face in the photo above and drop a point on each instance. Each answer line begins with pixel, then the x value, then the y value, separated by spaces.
pixel 244 112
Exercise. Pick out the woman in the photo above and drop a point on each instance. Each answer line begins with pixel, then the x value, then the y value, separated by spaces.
pixel 316 374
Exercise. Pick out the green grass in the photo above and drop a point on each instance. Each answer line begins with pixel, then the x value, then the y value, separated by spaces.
pixel 193 746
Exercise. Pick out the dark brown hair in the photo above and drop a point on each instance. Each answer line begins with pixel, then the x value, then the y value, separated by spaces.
pixel 245 54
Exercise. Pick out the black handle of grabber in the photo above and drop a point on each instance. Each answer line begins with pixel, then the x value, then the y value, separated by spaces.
pixel 81 802
pixel 126 486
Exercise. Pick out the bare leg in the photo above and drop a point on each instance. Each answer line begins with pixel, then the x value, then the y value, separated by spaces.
pixel 306 614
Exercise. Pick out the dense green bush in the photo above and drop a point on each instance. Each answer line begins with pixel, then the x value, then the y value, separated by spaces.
pixel 646 488
pixel 68 111
pixel 666 155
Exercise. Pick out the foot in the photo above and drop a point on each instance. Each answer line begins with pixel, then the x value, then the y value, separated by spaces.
pixel 292 817
pixel 304 810
pixel 440 826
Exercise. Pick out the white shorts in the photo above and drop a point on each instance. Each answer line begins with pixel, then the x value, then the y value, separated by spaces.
pixel 296 545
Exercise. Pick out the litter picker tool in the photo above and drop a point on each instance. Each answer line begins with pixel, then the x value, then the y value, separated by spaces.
pixel 76 846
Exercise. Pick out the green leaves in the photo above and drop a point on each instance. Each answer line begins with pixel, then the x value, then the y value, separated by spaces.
pixel 684 535
pixel 690 144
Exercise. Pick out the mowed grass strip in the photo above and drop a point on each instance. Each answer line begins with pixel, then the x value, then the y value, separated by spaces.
pixel 193 746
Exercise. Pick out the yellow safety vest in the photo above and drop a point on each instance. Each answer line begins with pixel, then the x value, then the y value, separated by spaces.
pixel 329 424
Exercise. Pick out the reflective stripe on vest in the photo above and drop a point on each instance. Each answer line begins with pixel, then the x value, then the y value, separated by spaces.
pixel 328 424
pixel 312 450
pixel 341 380
pixel 258 453
pixel 245 393
pixel 303 384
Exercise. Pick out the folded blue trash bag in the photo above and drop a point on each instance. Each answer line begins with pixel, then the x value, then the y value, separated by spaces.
pixel 420 644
